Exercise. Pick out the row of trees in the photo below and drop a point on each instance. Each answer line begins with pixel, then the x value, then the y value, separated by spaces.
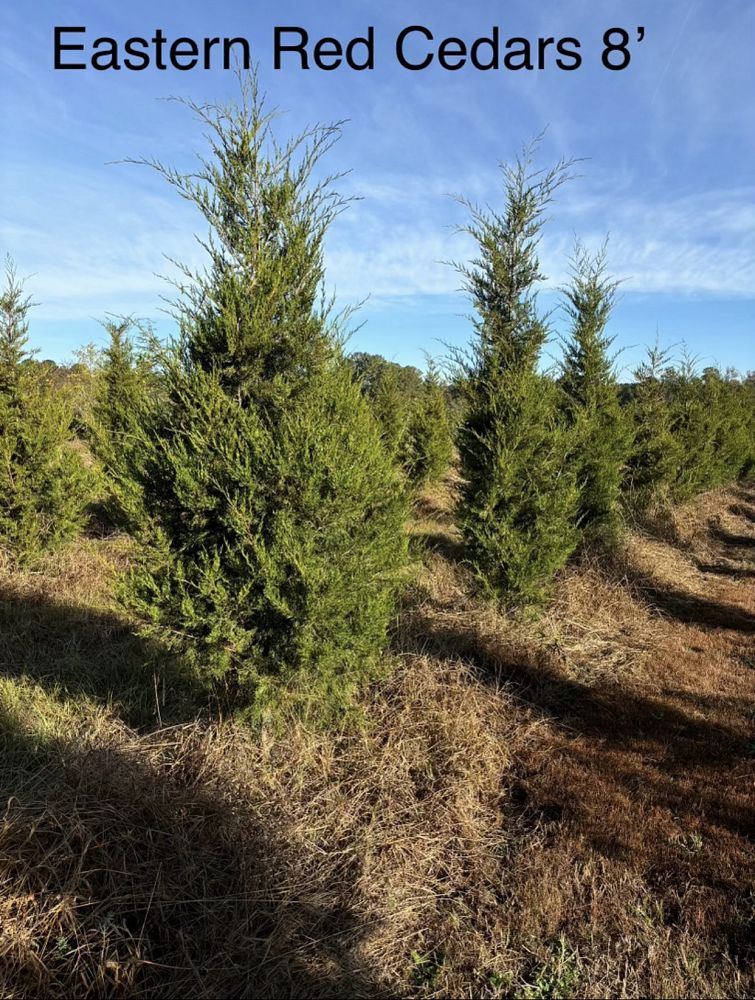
pixel 45 483
pixel 415 413
pixel 553 461
pixel 266 476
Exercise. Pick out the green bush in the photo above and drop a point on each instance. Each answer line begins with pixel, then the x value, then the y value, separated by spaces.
pixel 269 513
pixel 519 497
pixel 45 485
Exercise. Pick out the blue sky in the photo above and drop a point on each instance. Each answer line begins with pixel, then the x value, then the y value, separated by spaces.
pixel 669 170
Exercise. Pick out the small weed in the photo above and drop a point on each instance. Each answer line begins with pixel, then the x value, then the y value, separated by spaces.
pixel 426 968
pixel 500 984
pixel 652 914
pixel 557 979
pixel 62 947
pixel 689 843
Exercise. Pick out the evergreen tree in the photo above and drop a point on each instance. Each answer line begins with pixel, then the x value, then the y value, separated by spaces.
pixel 654 457
pixel 14 329
pixel 82 379
pixel 591 397
pixel 124 384
pixel 734 424
pixel 697 421
pixel 519 497
pixel 44 485
pixel 430 444
pixel 394 392
pixel 745 397
pixel 270 515
pixel 393 408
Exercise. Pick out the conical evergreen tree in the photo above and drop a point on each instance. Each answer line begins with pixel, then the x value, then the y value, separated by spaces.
pixel 124 384
pixel 591 397
pixel 44 484
pixel 430 443
pixel 14 329
pixel 392 408
pixel 697 424
pixel 655 455
pixel 270 515
pixel 519 497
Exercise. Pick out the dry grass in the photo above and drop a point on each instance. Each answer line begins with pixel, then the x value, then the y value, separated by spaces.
pixel 533 808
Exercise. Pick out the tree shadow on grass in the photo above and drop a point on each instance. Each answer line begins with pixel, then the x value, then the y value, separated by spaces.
pixel 620 749
pixel 720 569
pixel 731 538
pixel 77 651
pixel 443 544
pixel 128 869
pixel 743 510
pixel 692 609
pixel 683 606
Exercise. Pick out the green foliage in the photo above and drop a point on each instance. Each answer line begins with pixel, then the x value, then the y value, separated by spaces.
pixel 394 392
pixel 696 415
pixel 692 431
pixel 557 979
pixel 654 459
pixel 370 369
pixel 519 497
pixel 392 409
pixel 44 484
pixel 269 512
pixel 124 386
pixel 591 397
pixel 14 329
pixel 709 425
pixel 743 395
pixel 80 379
pixel 430 444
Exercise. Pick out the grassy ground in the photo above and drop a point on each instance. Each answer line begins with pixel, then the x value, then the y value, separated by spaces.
pixel 551 808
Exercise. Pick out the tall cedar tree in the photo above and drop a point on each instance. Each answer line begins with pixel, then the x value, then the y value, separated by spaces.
pixel 44 484
pixel 698 418
pixel 591 397
pixel 270 514
pixel 392 408
pixel 124 381
pixel 655 454
pixel 518 501
pixel 430 443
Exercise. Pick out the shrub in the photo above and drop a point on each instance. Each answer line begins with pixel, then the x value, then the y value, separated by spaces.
pixel 519 498
pixel 44 483
pixel 270 515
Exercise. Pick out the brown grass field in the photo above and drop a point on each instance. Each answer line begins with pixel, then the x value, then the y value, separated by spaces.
pixel 532 808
